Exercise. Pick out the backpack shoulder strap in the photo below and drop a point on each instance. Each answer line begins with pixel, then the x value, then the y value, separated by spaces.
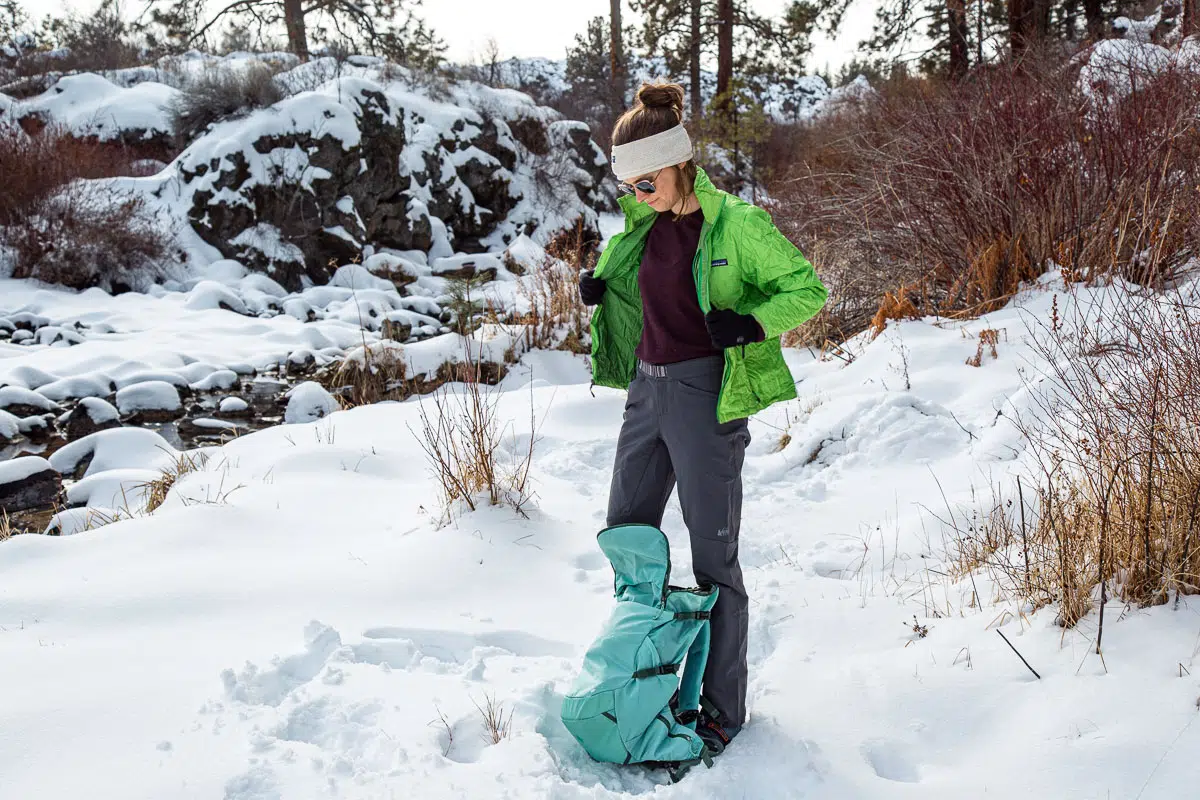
pixel 693 675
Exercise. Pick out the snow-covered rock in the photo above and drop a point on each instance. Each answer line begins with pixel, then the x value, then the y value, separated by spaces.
pixel 233 406
pixel 77 520
pixel 219 379
pixel 25 402
pixel 28 482
pixel 154 400
pixel 213 295
pixel 10 427
pixel 120 448
pixel 124 488
pixel 87 384
pixel 355 276
pixel 91 415
pixel 307 402
pixel 88 105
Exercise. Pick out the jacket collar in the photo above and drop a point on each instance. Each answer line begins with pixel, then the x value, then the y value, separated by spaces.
pixel 711 200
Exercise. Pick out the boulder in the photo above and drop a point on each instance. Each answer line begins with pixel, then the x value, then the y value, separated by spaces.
pixel 91 415
pixel 28 482
pixel 149 402
pixel 23 402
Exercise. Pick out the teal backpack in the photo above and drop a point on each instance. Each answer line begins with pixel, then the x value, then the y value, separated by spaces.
pixel 630 705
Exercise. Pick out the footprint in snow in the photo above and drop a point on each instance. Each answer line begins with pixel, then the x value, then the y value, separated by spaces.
pixel 456 648
pixel 590 561
pixel 891 760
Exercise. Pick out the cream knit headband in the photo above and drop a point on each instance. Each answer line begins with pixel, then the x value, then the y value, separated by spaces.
pixel 643 156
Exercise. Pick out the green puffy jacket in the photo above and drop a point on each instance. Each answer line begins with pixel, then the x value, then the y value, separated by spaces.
pixel 743 263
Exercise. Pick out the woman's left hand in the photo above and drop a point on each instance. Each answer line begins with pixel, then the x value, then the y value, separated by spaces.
pixel 727 328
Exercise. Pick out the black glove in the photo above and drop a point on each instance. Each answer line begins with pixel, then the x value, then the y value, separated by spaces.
pixel 728 328
pixel 591 288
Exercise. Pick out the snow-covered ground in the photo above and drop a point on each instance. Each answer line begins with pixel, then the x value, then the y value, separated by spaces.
pixel 292 622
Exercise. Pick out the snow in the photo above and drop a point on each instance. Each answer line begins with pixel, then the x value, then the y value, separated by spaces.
pixel 77 520
pixel 354 276
pixel 1116 66
pixel 100 411
pixel 308 402
pixel 125 489
pixel 17 395
pixel 148 396
pixel 90 105
pixel 10 426
pixel 218 379
pixel 18 469
pixel 115 449
pixel 233 405
pixel 293 622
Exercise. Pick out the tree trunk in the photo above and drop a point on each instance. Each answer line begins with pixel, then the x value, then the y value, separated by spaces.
pixel 957 11
pixel 1041 18
pixel 1190 25
pixel 293 20
pixel 1020 25
pixel 694 61
pixel 724 54
pixel 617 55
pixel 1093 12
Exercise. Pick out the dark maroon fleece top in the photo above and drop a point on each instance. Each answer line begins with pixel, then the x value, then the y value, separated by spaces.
pixel 672 322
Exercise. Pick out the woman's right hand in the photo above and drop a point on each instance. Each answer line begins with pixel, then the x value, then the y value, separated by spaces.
pixel 591 288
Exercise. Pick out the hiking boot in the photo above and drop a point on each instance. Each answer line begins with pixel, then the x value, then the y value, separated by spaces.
pixel 715 735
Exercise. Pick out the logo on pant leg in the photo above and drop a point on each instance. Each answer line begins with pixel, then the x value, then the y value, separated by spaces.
pixel 723 533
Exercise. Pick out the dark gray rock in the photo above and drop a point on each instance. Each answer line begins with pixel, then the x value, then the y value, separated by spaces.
pixel 91 415
pixel 33 484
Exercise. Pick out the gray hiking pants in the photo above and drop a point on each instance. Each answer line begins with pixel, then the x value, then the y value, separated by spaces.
pixel 671 437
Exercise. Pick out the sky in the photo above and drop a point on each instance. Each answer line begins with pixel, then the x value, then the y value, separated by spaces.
pixel 527 28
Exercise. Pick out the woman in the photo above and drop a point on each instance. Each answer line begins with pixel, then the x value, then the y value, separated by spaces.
pixel 692 298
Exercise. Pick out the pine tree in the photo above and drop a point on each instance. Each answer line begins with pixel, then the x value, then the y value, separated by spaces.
pixel 595 97
pixel 681 33
pixel 385 27
pixel 684 32
pixel 616 50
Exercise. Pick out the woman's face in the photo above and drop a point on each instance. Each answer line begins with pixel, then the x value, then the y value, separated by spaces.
pixel 666 194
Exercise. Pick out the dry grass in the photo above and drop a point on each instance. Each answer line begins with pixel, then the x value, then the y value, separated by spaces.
pixel 158 489
pixel 1115 511
pixel 370 374
pixel 496 724
pixel 557 318
pixel 462 438
pixel 6 528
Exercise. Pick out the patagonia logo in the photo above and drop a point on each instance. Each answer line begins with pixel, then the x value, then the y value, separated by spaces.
pixel 720 262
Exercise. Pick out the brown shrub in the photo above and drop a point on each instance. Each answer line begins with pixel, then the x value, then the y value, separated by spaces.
pixel 972 188
pixel 62 227
pixel 221 93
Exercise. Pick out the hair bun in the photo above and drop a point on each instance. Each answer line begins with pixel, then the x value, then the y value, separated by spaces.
pixel 662 95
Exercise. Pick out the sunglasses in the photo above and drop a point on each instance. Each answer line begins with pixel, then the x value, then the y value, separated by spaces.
pixel 645 186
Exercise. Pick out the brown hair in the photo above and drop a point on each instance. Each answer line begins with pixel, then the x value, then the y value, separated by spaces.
pixel 658 108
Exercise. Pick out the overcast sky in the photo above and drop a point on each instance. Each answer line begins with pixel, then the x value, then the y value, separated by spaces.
pixel 541 27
